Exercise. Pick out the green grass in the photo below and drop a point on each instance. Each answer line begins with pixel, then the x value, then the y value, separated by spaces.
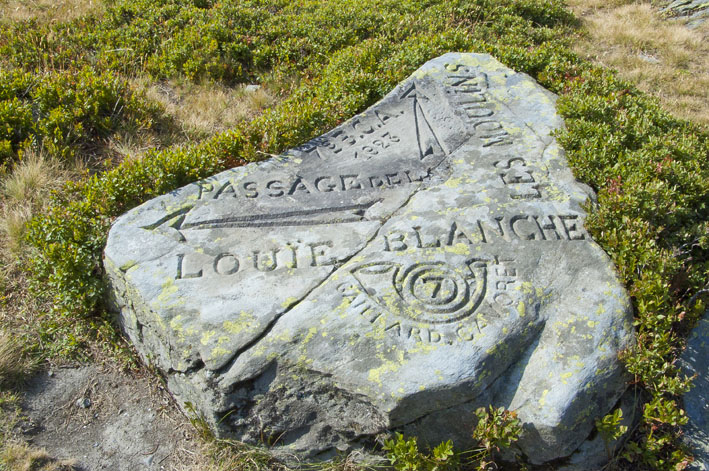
pixel 326 60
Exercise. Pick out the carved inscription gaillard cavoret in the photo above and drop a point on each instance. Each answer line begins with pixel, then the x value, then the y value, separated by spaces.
pixel 436 302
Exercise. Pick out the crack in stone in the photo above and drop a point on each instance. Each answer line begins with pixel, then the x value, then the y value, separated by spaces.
pixel 269 327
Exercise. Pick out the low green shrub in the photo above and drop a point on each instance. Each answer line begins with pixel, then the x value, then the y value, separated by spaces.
pixel 649 169
pixel 497 429
pixel 404 455
pixel 64 112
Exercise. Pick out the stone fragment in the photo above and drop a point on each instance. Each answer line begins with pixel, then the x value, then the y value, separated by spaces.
pixel 695 11
pixel 83 403
pixel 694 362
pixel 423 259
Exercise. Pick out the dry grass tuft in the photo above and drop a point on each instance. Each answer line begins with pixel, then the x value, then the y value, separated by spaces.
pixel 15 366
pixel 129 145
pixel 662 57
pixel 23 191
pixel 33 175
pixel 22 457
pixel 226 455
pixel 45 10
pixel 206 109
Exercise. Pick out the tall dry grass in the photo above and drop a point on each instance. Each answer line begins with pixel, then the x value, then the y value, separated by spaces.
pixel 22 457
pixel 23 191
pixel 46 10
pixel 662 57
pixel 205 109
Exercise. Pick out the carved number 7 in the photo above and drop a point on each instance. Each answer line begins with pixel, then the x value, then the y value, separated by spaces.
pixel 438 280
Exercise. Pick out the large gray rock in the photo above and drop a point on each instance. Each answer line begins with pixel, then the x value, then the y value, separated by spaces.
pixel 694 363
pixel 425 258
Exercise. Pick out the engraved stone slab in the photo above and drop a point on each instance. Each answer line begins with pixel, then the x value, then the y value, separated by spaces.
pixel 425 258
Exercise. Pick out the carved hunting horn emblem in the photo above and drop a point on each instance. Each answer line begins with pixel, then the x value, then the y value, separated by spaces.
pixel 431 292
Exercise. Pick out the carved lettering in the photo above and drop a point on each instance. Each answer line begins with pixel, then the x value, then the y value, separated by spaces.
pixel 519 226
pixel 433 336
pixel 486 230
pixel 415 334
pixel 464 333
pixel 413 179
pixel 522 230
pixel 363 128
pixel 203 187
pixel 570 227
pixel 474 98
pixel 394 242
pixel 376 182
pixel 227 190
pixel 267 263
pixel 298 186
pixel 225 264
pixel 421 244
pixel 501 140
pixel 478 112
pixel 181 273
pixel 293 263
pixel 328 185
pixel 395 328
pixel 250 188
pixel 382 117
pixel 275 188
pixel 393 179
pixel 317 251
pixel 457 236
pixel 518 178
pixel 547 228
pixel 350 182
pixel 348 290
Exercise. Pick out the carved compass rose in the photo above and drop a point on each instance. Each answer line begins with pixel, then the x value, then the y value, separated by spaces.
pixel 432 292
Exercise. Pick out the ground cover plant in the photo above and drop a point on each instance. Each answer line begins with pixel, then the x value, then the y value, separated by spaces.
pixel 66 85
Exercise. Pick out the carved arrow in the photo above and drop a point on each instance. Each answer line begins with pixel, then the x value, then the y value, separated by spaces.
pixel 428 143
pixel 173 224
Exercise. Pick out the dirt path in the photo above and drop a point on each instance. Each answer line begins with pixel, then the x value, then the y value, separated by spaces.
pixel 106 419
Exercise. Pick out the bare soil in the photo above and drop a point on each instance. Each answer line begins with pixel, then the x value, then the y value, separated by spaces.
pixel 103 418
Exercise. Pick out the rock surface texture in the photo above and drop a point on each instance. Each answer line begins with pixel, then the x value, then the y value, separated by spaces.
pixel 423 259
pixel 694 361
pixel 695 11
